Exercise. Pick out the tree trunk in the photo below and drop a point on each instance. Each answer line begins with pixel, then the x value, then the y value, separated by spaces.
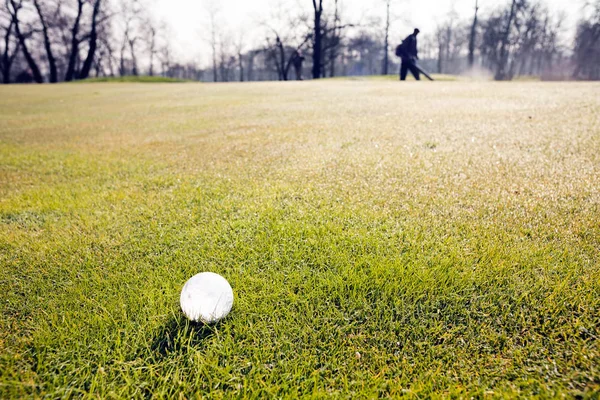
pixel 109 56
pixel 213 42
pixel 122 58
pixel 215 77
pixel 501 73
pixel 448 43
pixel 37 75
pixel 152 49
pixel 214 59
pixel 250 73
pixel 318 37
pixel 98 70
pixel 166 62
pixel 87 65
pixel 151 72
pixel 134 70
pixel 7 58
pixel 74 43
pixel 241 66
pixel 386 45
pixel 336 41
pixel 282 68
pixel 472 37
pixel 278 65
pixel 47 45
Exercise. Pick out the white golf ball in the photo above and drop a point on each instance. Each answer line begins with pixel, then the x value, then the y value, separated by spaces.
pixel 206 297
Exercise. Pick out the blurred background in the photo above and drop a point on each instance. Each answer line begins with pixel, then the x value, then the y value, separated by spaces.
pixel 47 41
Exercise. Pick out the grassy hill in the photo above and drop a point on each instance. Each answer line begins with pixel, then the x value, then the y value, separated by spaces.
pixel 392 78
pixel 161 79
pixel 133 79
pixel 382 239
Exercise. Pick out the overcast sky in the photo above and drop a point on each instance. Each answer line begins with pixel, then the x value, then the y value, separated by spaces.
pixel 187 19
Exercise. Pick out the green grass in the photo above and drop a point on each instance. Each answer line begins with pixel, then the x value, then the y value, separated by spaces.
pixel 427 240
pixel 134 79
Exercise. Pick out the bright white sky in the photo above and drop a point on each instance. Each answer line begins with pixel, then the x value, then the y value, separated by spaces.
pixel 188 19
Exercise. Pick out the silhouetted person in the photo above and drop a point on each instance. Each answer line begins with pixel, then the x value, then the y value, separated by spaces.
pixel 297 61
pixel 409 55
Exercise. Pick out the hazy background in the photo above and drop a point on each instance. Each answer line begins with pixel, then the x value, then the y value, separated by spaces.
pixel 236 40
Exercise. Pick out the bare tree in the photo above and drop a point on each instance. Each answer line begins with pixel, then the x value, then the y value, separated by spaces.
pixel 501 72
pixel 440 33
pixel 74 52
pixel 386 43
pixel 283 55
pixel 103 58
pixel 122 70
pixel 587 45
pixel 93 42
pixel 165 59
pixel 8 55
pixel 47 43
pixel 239 49
pixel 286 35
pixel 106 48
pixel 212 9
pixel 132 40
pixel 225 59
pixel 276 54
pixel 326 39
pixel 472 36
pixel 151 36
pixel 14 8
pixel 131 15
pixel 152 48
pixel 251 62
pixel 334 39
pixel 317 56
pixel 523 39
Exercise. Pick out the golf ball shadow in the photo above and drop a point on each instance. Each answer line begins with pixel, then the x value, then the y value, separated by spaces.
pixel 178 334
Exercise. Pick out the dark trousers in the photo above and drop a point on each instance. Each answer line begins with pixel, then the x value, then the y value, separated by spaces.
pixel 406 66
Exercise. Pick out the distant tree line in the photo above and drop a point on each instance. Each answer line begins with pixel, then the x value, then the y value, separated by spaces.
pixel 65 40
pixel 587 45
pixel 521 39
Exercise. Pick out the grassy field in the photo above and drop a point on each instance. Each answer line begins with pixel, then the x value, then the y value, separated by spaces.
pixel 382 239
pixel 132 79
pixel 395 78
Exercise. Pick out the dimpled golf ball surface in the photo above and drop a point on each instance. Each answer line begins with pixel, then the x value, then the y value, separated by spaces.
pixel 206 297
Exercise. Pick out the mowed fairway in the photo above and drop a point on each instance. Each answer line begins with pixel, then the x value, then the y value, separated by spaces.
pixel 382 239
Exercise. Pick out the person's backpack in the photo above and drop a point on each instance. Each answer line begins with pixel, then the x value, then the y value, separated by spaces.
pixel 400 49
